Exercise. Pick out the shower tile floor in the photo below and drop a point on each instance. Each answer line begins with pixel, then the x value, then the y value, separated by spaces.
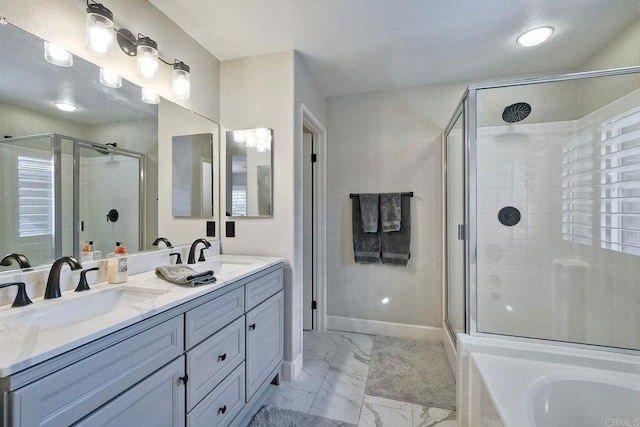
pixel 332 385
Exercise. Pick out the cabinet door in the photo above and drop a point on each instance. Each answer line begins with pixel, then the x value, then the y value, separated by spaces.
pixel 265 341
pixel 155 401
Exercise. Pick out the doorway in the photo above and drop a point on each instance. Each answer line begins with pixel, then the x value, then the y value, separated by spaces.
pixel 313 245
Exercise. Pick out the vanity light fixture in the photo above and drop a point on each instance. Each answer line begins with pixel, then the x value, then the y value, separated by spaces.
pixel 535 36
pixel 149 96
pixel 99 30
pixel 110 79
pixel 181 80
pixel 65 106
pixel 57 56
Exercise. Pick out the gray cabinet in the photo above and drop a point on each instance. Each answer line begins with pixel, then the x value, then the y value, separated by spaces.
pixel 265 341
pixel 157 401
pixel 201 362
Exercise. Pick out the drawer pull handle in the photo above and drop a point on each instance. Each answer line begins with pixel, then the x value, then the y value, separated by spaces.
pixel 222 410
pixel 184 379
pixel 222 357
pixel 252 326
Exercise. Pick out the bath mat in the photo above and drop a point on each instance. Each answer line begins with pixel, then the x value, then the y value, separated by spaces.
pixel 411 371
pixel 270 416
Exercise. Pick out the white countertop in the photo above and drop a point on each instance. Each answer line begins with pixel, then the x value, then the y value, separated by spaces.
pixel 24 344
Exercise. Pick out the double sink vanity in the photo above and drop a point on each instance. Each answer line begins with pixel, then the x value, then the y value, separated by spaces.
pixel 147 352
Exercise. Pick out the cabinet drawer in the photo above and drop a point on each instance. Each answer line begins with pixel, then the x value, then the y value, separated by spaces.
pixel 220 406
pixel 262 288
pixel 265 341
pixel 156 401
pixel 205 320
pixel 213 359
pixel 69 394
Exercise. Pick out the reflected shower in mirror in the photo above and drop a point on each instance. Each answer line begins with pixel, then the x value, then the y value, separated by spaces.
pixel 192 183
pixel 249 172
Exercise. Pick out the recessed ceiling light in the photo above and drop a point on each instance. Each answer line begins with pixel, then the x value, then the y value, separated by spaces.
pixel 535 37
pixel 65 107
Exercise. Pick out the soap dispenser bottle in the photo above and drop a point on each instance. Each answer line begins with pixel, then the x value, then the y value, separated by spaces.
pixel 117 271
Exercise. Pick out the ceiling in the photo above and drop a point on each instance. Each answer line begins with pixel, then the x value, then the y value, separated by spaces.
pixel 355 46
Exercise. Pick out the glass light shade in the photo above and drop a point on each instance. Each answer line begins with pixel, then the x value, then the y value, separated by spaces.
pixel 110 79
pixel 535 36
pixel 99 31
pixel 147 62
pixel 181 84
pixel 57 56
pixel 149 96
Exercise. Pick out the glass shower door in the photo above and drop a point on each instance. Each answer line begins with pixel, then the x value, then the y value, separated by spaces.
pixel 455 294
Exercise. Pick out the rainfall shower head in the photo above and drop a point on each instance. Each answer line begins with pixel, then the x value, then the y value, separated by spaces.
pixel 516 112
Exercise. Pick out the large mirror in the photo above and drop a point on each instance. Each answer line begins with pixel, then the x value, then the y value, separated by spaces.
pixel 249 173
pixel 68 177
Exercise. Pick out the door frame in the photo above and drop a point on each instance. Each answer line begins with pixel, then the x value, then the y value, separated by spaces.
pixel 308 120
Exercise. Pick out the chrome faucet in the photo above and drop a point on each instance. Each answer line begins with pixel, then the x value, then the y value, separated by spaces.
pixel 22 260
pixel 163 240
pixel 192 251
pixel 53 283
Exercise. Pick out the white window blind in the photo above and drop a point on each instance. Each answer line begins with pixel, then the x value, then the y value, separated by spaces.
pixel 620 183
pixel 35 196
pixel 239 201
pixel 577 189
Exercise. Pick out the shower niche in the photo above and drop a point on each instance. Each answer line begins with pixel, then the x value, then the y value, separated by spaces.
pixel 543 210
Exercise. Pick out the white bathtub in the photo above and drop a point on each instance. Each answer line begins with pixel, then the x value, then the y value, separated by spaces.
pixel 517 384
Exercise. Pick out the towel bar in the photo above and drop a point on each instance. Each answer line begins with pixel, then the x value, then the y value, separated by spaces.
pixel 410 194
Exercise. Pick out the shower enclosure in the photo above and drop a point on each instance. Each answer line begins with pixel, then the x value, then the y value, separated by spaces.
pixel 543 210
pixel 59 191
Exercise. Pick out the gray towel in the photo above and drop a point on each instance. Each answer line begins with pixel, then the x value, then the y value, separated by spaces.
pixel 366 246
pixel 390 212
pixel 185 275
pixel 369 208
pixel 395 244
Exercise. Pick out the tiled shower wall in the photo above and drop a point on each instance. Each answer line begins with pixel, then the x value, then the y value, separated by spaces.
pixel 532 281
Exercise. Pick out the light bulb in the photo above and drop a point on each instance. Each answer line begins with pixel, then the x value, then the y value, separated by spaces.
pixel 535 36
pixel 147 51
pixel 57 56
pixel 181 80
pixel 110 79
pixel 65 107
pixel 149 96
pixel 99 30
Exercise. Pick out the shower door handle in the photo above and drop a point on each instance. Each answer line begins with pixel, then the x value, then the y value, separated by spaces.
pixel 461 232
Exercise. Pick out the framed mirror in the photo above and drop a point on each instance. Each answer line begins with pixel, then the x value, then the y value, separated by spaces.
pixel 192 166
pixel 249 163
pixel 84 164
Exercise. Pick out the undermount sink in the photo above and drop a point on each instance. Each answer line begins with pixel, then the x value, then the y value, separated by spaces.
pixel 61 313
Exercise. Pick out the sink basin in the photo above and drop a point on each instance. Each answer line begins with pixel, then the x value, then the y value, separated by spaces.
pixel 62 313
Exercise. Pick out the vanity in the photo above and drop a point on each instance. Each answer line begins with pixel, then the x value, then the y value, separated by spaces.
pixel 158 354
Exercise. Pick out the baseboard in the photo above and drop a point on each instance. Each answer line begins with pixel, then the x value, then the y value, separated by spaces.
pixel 450 350
pixel 291 370
pixel 376 327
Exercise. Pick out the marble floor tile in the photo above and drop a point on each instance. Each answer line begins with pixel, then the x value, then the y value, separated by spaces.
pixel 311 377
pixel 332 384
pixel 373 415
pixel 429 417
pixel 350 361
pixel 389 403
pixel 340 397
pixel 291 399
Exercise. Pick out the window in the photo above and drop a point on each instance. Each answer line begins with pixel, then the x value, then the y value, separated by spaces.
pixel 620 183
pixel 601 186
pixel 35 196
pixel 239 201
